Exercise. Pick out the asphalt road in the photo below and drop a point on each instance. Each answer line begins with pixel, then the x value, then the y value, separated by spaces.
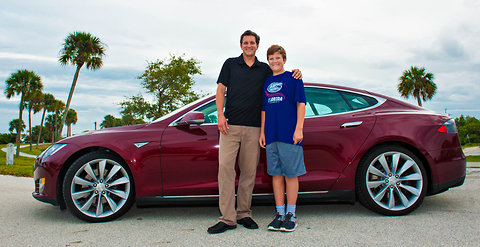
pixel 448 219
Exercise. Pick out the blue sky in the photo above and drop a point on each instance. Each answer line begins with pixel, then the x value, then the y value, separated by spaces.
pixel 357 43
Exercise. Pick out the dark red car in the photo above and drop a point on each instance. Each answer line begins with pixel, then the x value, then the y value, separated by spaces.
pixel 358 146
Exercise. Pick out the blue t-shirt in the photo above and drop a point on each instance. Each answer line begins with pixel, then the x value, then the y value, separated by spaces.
pixel 280 96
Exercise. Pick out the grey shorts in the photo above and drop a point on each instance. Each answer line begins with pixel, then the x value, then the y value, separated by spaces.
pixel 285 159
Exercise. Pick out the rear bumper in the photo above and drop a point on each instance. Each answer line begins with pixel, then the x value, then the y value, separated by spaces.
pixel 448 169
pixel 439 188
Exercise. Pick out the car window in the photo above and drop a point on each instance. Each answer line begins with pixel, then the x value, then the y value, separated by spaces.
pixel 357 101
pixel 210 112
pixel 322 101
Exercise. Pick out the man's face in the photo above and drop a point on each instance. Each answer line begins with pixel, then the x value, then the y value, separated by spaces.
pixel 249 45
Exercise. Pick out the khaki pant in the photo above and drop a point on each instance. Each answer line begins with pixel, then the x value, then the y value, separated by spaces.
pixel 241 140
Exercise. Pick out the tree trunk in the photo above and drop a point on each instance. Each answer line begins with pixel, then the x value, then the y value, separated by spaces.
pixel 419 101
pixel 54 132
pixel 41 126
pixel 30 126
pixel 72 89
pixel 19 131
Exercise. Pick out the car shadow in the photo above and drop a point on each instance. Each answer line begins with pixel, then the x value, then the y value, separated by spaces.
pixel 209 213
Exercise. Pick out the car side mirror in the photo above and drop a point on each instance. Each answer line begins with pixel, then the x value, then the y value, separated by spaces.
pixel 194 117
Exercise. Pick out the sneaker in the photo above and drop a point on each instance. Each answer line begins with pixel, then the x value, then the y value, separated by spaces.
pixel 289 224
pixel 276 223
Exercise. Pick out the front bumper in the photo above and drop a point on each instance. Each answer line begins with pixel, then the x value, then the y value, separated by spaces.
pixel 41 198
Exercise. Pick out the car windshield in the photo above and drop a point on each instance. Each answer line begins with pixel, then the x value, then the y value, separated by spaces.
pixel 180 109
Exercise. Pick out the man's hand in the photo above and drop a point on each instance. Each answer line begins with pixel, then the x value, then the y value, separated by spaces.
pixel 220 101
pixel 297 136
pixel 261 141
pixel 223 125
pixel 297 74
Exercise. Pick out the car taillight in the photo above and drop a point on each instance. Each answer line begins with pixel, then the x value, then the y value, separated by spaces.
pixel 448 127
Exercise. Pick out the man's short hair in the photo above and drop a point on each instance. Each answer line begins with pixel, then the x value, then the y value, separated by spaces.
pixel 250 33
pixel 276 48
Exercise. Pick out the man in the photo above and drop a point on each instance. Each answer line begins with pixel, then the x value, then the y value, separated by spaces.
pixel 239 130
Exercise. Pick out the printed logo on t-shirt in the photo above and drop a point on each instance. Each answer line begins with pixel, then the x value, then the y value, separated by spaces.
pixel 274 87
pixel 273 94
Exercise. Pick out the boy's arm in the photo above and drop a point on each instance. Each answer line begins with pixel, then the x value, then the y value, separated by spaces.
pixel 262 131
pixel 220 101
pixel 298 134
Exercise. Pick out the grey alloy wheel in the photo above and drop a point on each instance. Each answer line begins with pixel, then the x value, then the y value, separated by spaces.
pixel 392 181
pixel 98 187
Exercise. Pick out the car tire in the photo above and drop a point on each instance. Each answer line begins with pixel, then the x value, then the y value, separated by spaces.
pixel 98 187
pixel 391 180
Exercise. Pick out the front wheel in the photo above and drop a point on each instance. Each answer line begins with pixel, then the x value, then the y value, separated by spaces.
pixel 98 187
pixel 391 180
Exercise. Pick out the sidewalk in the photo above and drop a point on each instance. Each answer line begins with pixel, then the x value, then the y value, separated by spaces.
pixel 472 151
pixel 22 154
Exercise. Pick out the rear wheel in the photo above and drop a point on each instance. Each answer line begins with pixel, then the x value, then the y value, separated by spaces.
pixel 98 187
pixel 391 180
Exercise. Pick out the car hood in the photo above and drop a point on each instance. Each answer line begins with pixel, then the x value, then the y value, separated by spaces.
pixel 105 131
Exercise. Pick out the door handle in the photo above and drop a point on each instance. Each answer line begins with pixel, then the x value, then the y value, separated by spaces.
pixel 351 124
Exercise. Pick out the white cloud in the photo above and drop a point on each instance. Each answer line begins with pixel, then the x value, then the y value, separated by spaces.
pixel 20 56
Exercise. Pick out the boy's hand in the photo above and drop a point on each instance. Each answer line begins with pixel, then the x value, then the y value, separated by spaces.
pixel 297 74
pixel 222 125
pixel 261 141
pixel 297 136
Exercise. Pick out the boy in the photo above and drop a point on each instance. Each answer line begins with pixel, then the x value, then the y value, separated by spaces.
pixel 283 112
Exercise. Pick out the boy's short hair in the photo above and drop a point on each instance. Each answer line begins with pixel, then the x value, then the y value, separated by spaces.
pixel 250 33
pixel 276 48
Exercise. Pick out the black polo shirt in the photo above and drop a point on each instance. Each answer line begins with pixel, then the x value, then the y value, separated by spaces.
pixel 244 90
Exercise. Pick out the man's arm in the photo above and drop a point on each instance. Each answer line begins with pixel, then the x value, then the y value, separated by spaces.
pixel 297 74
pixel 298 134
pixel 220 101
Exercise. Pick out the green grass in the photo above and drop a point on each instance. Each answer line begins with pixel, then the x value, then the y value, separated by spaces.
pixel 468 145
pixel 22 166
pixel 473 158
pixel 35 151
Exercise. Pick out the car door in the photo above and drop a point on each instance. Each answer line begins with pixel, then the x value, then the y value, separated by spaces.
pixel 336 125
pixel 189 156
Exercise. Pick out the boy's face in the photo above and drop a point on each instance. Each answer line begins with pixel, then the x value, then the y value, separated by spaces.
pixel 249 45
pixel 276 62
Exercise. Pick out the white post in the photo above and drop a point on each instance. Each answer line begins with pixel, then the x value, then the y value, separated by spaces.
pixel 10 153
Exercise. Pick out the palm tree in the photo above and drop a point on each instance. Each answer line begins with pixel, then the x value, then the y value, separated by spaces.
pixel 47 105
pixel 57 107
pixel 71 119
pixel 108 122
pixel 21 83
pixel 50 125
pixel 34 101
pixel 17 125
pixel 417 83
pixel 80 48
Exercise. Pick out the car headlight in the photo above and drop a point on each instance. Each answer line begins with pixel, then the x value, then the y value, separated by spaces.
pixel 52 149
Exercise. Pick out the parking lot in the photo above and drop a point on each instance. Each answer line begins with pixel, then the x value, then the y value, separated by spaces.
pixel 448 219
